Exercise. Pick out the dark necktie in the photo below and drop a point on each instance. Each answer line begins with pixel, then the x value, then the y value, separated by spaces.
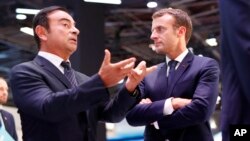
pixel 172 64
pixel 69 73
pixel 82 117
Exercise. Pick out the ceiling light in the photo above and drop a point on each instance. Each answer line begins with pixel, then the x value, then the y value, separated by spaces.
pixel 21 16
pixel 105 1
pixel 211 42
pixel 152 4
pixel 27 11
pixel 27 30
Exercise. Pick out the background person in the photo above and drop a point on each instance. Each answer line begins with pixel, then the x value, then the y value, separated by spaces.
pixel 6 119
pixel 235 56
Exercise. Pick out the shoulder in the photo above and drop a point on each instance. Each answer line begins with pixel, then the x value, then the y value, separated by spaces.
pixel 206 64
pixel 201 60
pixel 26 68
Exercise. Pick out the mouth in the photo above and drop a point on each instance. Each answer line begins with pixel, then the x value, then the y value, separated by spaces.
pixel 74 40
pixel 157 44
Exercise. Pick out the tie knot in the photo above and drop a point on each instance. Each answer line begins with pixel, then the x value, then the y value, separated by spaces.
pixel 66 65
pixel 172 63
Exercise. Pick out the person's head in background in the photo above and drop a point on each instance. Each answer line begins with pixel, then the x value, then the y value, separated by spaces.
pixel 171 31
pixel 3 91
pixel 55 31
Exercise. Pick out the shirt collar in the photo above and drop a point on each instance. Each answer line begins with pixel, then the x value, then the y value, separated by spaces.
pixel 178 58
pixel 54 59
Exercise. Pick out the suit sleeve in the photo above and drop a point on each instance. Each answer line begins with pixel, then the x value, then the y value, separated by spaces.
pixel 203 101
pixel 33 95
pixel 117 107
pixel 143 114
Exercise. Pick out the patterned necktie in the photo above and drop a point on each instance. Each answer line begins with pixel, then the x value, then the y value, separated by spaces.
pixel 172 64
pixel 69 73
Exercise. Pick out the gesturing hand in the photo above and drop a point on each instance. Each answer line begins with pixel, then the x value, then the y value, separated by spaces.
pixel 112 73
pixel 136 75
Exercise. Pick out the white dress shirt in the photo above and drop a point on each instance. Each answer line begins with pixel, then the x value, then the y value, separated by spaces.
pixel 54 59
pixel 168 107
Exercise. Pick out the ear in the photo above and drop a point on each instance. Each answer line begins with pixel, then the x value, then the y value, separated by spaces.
pixel 182 31
pixel 41 32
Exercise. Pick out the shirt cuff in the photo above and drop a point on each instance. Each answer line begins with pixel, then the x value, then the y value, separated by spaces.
pixel 156 125
pixel 168 107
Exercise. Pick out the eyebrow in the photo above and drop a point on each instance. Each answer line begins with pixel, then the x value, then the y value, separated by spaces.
pixel 65 19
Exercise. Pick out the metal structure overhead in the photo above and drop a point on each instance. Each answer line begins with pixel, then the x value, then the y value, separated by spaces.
pixel 127 29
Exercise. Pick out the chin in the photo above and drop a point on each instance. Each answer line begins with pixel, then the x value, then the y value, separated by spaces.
pixel 73 47
pixel 158 51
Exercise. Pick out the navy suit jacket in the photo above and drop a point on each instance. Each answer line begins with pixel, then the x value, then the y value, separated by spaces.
pixel 196 78
pixel 9 124
pixel 51 110
pixel 235 55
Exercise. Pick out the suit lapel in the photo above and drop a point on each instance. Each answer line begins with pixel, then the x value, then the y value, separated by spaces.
pixel 180 71
pixel 5 121
pixel 48 66
pixel 161 82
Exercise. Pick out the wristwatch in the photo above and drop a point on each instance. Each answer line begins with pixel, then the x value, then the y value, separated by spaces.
pixel 136 94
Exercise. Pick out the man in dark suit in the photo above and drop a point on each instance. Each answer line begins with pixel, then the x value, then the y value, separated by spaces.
pixel 57 103
pixel 235 55
pixel 6 119
pixel 178 99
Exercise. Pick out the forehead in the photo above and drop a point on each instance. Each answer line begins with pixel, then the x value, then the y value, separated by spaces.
pixel 60 15
pixel 3 83
pixel 164 20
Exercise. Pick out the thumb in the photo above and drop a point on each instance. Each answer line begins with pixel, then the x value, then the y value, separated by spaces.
pixel 107 57
pixel 141 65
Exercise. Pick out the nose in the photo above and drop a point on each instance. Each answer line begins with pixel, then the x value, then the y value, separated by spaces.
pixel 6 92
pixel 153 35
pixel 75 30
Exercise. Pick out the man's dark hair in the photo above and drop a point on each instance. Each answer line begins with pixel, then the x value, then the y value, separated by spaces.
pixel 41 18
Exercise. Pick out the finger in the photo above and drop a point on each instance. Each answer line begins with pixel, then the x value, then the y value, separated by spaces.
pixel 129 66
pixel 150 69
pixel 141 65
pixel 136 74
pixel 123 63
pixel 107 57
pixel 148 100
pixel 143 101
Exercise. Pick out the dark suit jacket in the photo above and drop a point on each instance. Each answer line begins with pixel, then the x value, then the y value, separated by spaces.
pixel 196 78
pixel 9 124
pixel 51 110
pixel 235 55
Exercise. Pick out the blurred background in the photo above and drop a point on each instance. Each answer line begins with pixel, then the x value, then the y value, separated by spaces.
pixel 123 27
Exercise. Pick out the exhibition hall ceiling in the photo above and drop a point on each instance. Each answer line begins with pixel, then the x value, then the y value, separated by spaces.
pixel 127 29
